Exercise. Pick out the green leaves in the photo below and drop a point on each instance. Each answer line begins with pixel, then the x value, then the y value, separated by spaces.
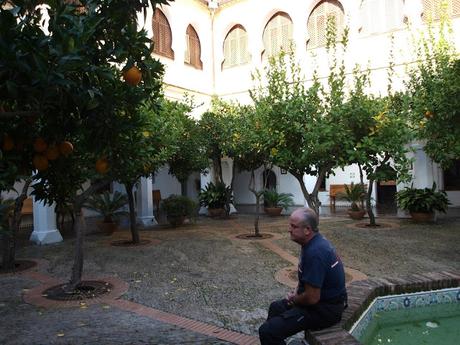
pixel 434 87
pixel 215 195
pixel 425 200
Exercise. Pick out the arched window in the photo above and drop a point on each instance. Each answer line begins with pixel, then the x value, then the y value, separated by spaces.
pixel 236 47
pixel 390 15
pixel 317 22
pixel 432 9
pixel 162 37
pixel 192 48
pixel 277 34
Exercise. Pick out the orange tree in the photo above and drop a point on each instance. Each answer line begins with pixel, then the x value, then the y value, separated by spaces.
pixel 190 154
pixel 434 88
pixel 250 147
pixel 307 127
pixel 62 85
pixel 216 131
pixel 216 128
pixel 148 140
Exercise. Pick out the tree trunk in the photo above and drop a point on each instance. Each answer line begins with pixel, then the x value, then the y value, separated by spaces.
pixel 9 238
pixel 370 212
pixel 361 180
pixel 132 213
pixel 257 194
pixel 312 199
pixel 183 188
pixel 217 166
pixel 77 268
pixel 79 227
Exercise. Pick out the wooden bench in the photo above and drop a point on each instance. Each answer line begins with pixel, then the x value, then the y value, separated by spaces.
pixel 335 189
pixel 28 207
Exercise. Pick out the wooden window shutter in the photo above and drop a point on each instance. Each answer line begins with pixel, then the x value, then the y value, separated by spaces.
pixel 235 47
pixel 194 48
pixel 317 21
pixel 277 34
pixel 456 8
pixel 162 36
pixel 432 9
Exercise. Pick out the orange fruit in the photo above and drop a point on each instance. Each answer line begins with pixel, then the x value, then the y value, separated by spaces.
pixel 40 162
pixel 66 148
pixel 52 153
pixel 40 145
pixel 132 76
pixel 428 114
pixel 102 165
pixel 8 143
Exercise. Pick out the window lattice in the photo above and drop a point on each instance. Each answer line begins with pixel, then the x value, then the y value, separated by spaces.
pixel 381 15
pixel 162 37
pixel 432 9
pixel 317 22
pixel 193 48
pixel 236 47
pixel 277 34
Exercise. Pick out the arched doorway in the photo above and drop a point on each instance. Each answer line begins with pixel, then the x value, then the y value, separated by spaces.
pixel 269 180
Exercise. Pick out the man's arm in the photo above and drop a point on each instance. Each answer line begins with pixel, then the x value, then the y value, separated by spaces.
pixel 310 296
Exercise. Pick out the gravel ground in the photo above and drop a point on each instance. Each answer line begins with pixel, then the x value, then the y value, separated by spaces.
pixel 199 271
pixel 409 248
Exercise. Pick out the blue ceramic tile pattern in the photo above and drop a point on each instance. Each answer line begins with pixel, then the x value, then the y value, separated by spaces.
pixel 405 301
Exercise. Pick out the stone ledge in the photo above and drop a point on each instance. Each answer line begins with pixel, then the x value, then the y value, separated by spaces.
pixel 362 293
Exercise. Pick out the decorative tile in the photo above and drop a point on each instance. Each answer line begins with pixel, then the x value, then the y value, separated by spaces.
pixel 404 301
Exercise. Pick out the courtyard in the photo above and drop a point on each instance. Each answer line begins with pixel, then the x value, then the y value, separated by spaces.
pixel 199 283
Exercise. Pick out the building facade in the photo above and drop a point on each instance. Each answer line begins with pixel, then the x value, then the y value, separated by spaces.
pixel 213 47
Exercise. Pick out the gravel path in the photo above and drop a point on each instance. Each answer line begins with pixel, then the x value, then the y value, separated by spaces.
pixel 201 272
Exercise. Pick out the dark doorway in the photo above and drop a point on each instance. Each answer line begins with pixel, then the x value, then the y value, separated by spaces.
pixel 386 195
pixel 269 180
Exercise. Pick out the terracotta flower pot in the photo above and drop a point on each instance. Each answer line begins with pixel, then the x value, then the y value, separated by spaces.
pixel 176 221
pixel 273 211
pixel 422 217
pixel 107 228
pixel 356 215
pixel 216 212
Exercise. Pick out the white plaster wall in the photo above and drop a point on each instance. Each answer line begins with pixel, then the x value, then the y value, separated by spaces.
pixel 285 183
pixel 166 183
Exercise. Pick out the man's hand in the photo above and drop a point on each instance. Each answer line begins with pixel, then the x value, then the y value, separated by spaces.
pixel 290 297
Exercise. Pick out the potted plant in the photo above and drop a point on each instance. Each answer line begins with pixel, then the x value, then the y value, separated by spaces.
pixel 354 193
pixel 275 202
pixel 216 197
pixel 109 206
pixel 422 203
pixel 178 208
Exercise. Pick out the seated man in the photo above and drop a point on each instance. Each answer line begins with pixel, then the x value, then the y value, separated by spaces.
pixel 320 297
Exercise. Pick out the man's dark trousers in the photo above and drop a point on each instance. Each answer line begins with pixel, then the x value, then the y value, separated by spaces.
pixel 284 320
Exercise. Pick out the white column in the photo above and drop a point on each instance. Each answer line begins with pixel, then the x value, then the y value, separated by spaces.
pixel 227 175
pixel 45 229
pixel 145 203
pixel 205 179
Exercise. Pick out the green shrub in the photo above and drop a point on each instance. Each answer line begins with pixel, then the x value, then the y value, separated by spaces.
pixel 354 193
pixel 425 200
pixel 274 199
pixel 178 207
pixel 109 206
pixel 216 195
